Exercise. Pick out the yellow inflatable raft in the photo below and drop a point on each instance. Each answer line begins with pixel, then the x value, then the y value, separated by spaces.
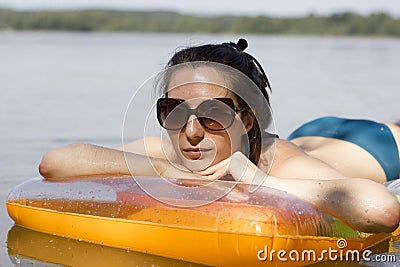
pixel 264 228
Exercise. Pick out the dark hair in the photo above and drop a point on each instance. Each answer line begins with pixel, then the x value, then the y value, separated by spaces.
pixel 233 55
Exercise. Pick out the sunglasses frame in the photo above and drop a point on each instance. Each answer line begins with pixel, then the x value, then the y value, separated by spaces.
pixel 227 101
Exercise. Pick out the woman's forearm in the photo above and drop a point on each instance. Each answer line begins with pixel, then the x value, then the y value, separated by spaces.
pixel 88 160
pixel 364 204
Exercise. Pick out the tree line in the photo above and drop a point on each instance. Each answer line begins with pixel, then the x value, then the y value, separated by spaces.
pixel 347 23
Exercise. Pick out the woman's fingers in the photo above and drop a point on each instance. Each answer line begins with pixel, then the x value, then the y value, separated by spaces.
pixel 221 166
pixel 235 166
pixel 216 173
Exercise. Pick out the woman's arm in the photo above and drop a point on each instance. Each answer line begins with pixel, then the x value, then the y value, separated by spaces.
pixel 365 205
pixel 78 160
pixel 86 159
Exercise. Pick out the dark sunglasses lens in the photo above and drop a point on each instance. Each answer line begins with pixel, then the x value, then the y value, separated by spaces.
pixel 215 114
pixel 171 113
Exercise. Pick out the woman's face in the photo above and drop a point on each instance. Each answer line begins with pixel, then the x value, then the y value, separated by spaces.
pixel 196 146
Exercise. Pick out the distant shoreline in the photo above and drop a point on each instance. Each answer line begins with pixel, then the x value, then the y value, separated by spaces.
pixel 93 20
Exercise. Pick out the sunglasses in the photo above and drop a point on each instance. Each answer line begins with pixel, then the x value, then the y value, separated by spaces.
pixel 214 114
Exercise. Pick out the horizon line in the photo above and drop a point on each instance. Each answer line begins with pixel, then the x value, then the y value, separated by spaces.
pixel 216 14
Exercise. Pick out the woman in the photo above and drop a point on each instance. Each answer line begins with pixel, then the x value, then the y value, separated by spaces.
pixel 216 125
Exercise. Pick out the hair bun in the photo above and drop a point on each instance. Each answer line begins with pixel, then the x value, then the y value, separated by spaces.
pixel 242 44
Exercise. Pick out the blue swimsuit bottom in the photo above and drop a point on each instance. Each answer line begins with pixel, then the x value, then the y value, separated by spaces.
pixel 375 138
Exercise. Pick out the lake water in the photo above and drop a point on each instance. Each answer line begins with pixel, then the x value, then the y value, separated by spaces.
pixel 60 88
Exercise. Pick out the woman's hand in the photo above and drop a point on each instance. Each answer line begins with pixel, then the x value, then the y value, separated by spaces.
pixel 238 166
pixel 166 169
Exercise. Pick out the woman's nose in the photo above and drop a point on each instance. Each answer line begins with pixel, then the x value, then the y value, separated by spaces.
pixel 194 130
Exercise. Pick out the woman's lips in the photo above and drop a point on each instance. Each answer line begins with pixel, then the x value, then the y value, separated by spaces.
pixel 194 153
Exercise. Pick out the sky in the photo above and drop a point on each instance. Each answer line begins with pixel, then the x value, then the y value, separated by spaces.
pixel 217 7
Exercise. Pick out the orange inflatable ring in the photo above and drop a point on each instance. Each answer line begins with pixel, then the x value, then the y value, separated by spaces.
pixel 265 227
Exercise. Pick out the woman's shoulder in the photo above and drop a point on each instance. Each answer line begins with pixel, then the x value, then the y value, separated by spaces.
pixel 290 161
pixel 285 149
pixel 277 153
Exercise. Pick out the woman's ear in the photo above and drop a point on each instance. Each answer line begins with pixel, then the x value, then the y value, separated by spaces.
pixel 248 119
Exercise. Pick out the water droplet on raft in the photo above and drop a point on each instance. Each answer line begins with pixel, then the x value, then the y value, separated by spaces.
pixel 128 249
